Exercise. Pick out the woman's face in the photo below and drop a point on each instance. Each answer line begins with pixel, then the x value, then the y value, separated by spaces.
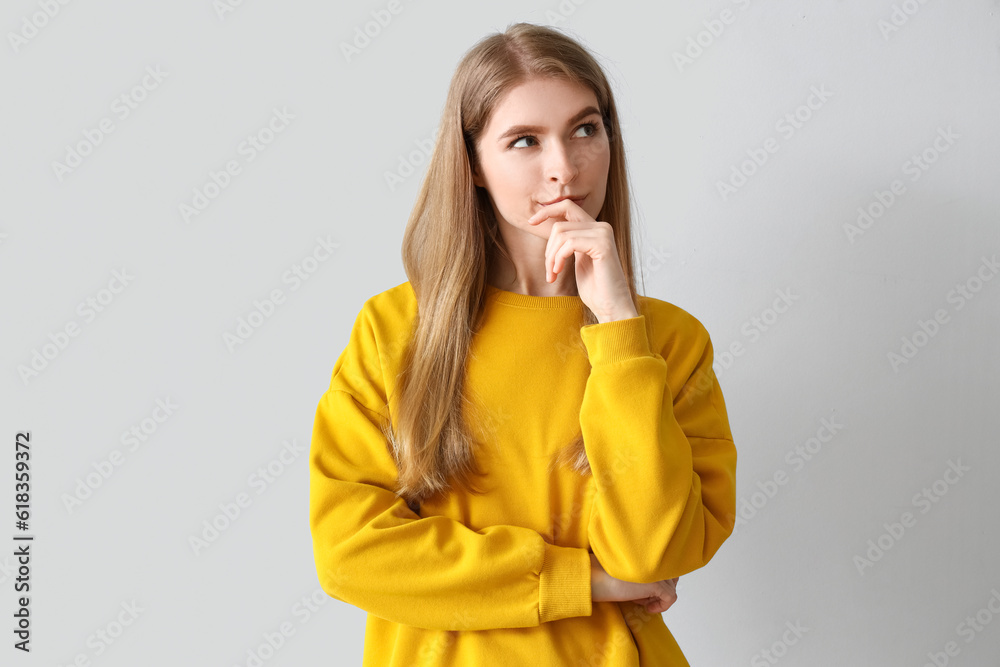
pixel 564 151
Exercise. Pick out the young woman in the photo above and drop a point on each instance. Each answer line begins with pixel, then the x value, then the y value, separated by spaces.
pixel 518 456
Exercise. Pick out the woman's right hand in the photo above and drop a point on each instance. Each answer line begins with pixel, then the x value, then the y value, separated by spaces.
pixel 657 597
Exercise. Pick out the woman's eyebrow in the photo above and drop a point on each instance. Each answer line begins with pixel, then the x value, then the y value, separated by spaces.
pixel 519 129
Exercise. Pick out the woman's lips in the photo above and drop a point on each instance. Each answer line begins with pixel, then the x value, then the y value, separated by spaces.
pixel 556 201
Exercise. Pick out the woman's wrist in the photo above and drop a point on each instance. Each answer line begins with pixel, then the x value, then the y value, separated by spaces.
pixel 597 579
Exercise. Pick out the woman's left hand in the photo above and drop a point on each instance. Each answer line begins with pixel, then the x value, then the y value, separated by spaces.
pixel 600 280
pixel 662 602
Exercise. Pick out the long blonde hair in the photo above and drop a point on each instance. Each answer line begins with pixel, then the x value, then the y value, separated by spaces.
pixel 451 242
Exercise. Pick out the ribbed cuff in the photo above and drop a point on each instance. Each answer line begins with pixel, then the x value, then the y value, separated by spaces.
pixel 564 584
pixel 617 340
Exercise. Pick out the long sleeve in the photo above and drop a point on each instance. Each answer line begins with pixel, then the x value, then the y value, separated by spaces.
pixel 664 466
pixel 373 551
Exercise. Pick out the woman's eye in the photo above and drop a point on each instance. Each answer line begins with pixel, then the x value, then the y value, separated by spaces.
pixel 591 126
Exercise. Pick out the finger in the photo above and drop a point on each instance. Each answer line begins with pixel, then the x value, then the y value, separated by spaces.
pixel 566 207
pixel 570 242
pixel 557 239
pixel 566 249
pixel 557 258
pixel 549 259
pixel 544 213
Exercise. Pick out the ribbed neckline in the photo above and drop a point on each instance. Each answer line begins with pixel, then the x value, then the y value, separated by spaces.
pixel 529 301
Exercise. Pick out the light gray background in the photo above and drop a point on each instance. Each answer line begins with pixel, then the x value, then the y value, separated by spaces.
pixel 324 175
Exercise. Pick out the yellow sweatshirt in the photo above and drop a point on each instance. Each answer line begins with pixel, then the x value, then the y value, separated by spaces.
pixel 504 578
